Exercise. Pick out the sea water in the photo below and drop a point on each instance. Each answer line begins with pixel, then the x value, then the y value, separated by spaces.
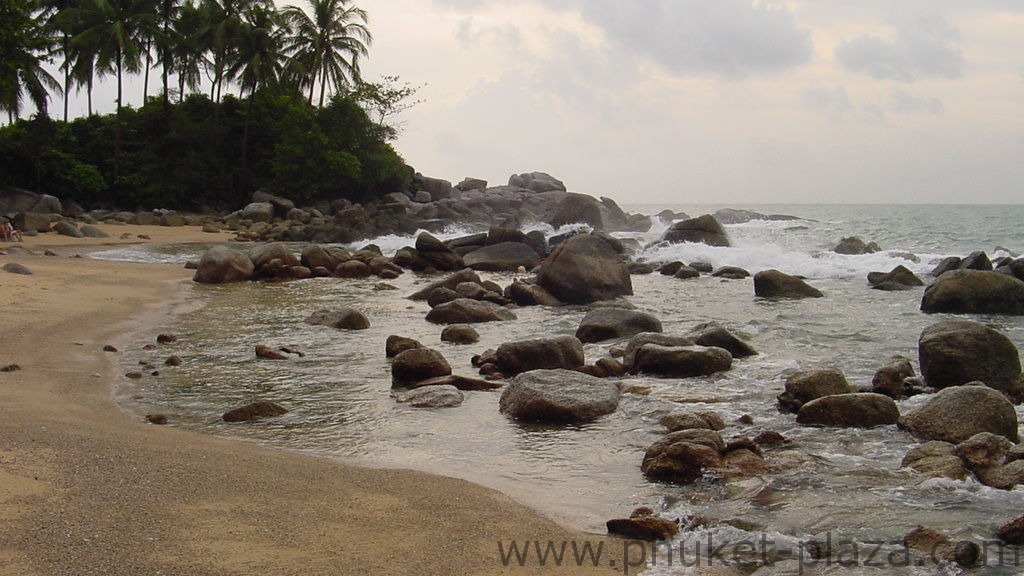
pixel 840 483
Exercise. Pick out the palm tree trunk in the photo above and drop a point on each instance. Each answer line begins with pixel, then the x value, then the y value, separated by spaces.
pixel 243 173
pixel 117 123
pixel 145 77
pixel 88 92
pixel 323 84
pixel 67 75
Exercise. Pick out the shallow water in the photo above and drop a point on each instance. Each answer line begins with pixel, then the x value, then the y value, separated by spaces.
pixel 841 482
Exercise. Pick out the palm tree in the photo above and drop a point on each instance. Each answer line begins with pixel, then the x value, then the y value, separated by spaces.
pixel 222 22
pixel 257 59
pixel 329 43
pixel 50 11
pixel 25 44
pixel 108 34
pixel 182 52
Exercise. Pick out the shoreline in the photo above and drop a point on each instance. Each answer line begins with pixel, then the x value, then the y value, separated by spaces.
pixel 88 488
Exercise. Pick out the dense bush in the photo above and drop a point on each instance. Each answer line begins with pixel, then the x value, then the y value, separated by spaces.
pixel 188 155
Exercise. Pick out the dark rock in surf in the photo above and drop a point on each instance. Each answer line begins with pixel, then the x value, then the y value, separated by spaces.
pixel 703 229
pixel 858 410
pixel 564 352
pixel 775 284
pixel 955 352
pixel 974 292
pixel 584 269
pixel 558 397
pixel 608 323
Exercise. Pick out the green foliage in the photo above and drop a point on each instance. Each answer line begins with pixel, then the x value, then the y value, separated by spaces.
pixel 178 157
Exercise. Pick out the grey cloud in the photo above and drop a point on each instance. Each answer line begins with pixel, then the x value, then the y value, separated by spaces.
pixel 926 48
pixel 903 102
pixel 732 38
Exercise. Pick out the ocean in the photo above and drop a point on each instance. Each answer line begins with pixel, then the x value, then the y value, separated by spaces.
pixel 839 483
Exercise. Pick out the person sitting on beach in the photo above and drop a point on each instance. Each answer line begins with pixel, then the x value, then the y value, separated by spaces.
pixel 10 234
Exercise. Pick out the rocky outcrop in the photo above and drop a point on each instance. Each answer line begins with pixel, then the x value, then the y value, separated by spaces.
pixel 608 323
pixel 558 397
pixel 536 182
pixel 775 284
pixel 565 352
pixel 220 265
pixel 803 387
pixel 254 411
pixel 680 361
pixel 858 410
pixel 468 311
pixel 414 365
pixel 584 269
pixel 955 414
pixel 955 352
pixel 974 292
pixel 703 229
pixel 346 318
pixel 578 209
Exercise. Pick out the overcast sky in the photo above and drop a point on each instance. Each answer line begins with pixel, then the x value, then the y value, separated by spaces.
pixel 718 101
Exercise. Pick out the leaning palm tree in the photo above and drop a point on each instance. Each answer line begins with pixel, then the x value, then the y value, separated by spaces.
pixel 329 43
pixel 23 55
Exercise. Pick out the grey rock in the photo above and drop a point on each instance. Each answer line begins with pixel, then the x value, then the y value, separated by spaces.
pixel 432 397
pixel 346 318
pixel 557 397
pixel 955 352
pixel 775 284
pixel 584 269
pixel 680 362
pixel 466 311
pixel 974 292
pixel 858 410
pixel 564 352
pixel 955 414
pixel 416 364
pixel 505 256
pixel 703 229
pixel 608 323
pixel 221 264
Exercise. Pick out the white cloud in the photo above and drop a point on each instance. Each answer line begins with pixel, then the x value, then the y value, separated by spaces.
pixel 926 48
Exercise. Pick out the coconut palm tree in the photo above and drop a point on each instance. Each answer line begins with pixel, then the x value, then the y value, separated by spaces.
pixel 329 43
pixel 25 42
pixel 183 54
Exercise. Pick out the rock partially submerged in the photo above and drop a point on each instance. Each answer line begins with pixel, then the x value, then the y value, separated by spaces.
pixel 703 229
pixel 558 397
pixel 346 318
pixel 857 410
pixel 220 265
pixel 609 323
pixel 974 292
pixel 584 269
pixel 564 352
pixel 955 352
pixel 775 284
pixel 955 414
pixel 254 411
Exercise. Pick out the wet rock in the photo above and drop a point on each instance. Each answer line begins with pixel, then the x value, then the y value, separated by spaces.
pixel 449 282
pixel 1012 532
pixel 955 414
pixel 173 361
pixel 558 396
pixel 158 419
pixel 437 254
pixel 608 367
pixel 955 352
pixel 889 379
pixel 268 353
pixel 1005 477
pixel 682 457
pixel 11 368
pixel 803 387
pixel 528 294
pixel 577 209
pixel 770 439
pixel 976 261
pixel 900 275
pixel 681 362
pixel 983 450
pixel 775 284
pixel 565 352
pixel 221 265
pixel 703 229
pixel 394 345
pixel 442 295
pixel 15 268
pixel 742 463
pixel 645 527
pixel 506 256
pixel 637 341
pixel 353 269
pixel 686 273
pixel 858 410
pixel 470 290
pixel 974 292
pixel 608 323
pixel 460 334
pixel 432 397
pixel 947 265
pixel 109 348
pixel 418 364
pixel 320 256
pixel 254 411
pixel 346 318
pixel 584 269
pixel 731 273
pixel 686 420
pixel 714 334
pixel 854 245
pixel 467 311
pixel 459 382
pixel 166 339
pixel 935 459
pixel 937 547
pixel 271 256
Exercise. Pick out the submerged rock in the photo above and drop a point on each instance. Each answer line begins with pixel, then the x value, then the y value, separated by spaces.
pixel 703 229
pixel 775 284
pixel 414 365
pixel 254 411
pixel 858 410
pixel 608 323
pixel 220 265
pixel 681 361
pixel 955 352
pixel 432 397
pixel 565 352
pixel 346 318
pixel 467 311
pixel 974 292
pixel 558 397
pixel 803 387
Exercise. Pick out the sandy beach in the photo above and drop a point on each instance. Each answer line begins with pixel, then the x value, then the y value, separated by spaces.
pixel 86 488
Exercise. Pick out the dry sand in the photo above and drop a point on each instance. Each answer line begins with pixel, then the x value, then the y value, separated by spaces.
pixel 86 488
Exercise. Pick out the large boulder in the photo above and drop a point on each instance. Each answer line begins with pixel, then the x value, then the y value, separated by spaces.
pixel 899 275
pixel 506 256
pixel 681 361
pixel 714 334
pixel 608 323
pixel 319 256
pixel 558 396
pixel 578 209
pixel 955 352
pixel 775 284
pixel 565 352
pixel 584 269
pixel 220 265
pixel 854 245
pixel 974 292
pixel 860 410
pixel 281 205
pixel 803 387
pixel 529 294
pixel 32 222
pixel 703 229
pixel 955 414
pixel 346 318
pixel 437 253
pixel 257 212
pixel 263 255
pixel 536 182
pixel 467 311
pixel 416 364
pixel 67 228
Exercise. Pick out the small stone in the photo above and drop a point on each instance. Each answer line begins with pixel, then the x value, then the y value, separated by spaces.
pixel 158 419
pixel 109 348
pixel 166 339
pixel 1012 532
pixel 254 411
pixel 133 375
pixel 268 353
pixel 173 361
pixel 10 368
